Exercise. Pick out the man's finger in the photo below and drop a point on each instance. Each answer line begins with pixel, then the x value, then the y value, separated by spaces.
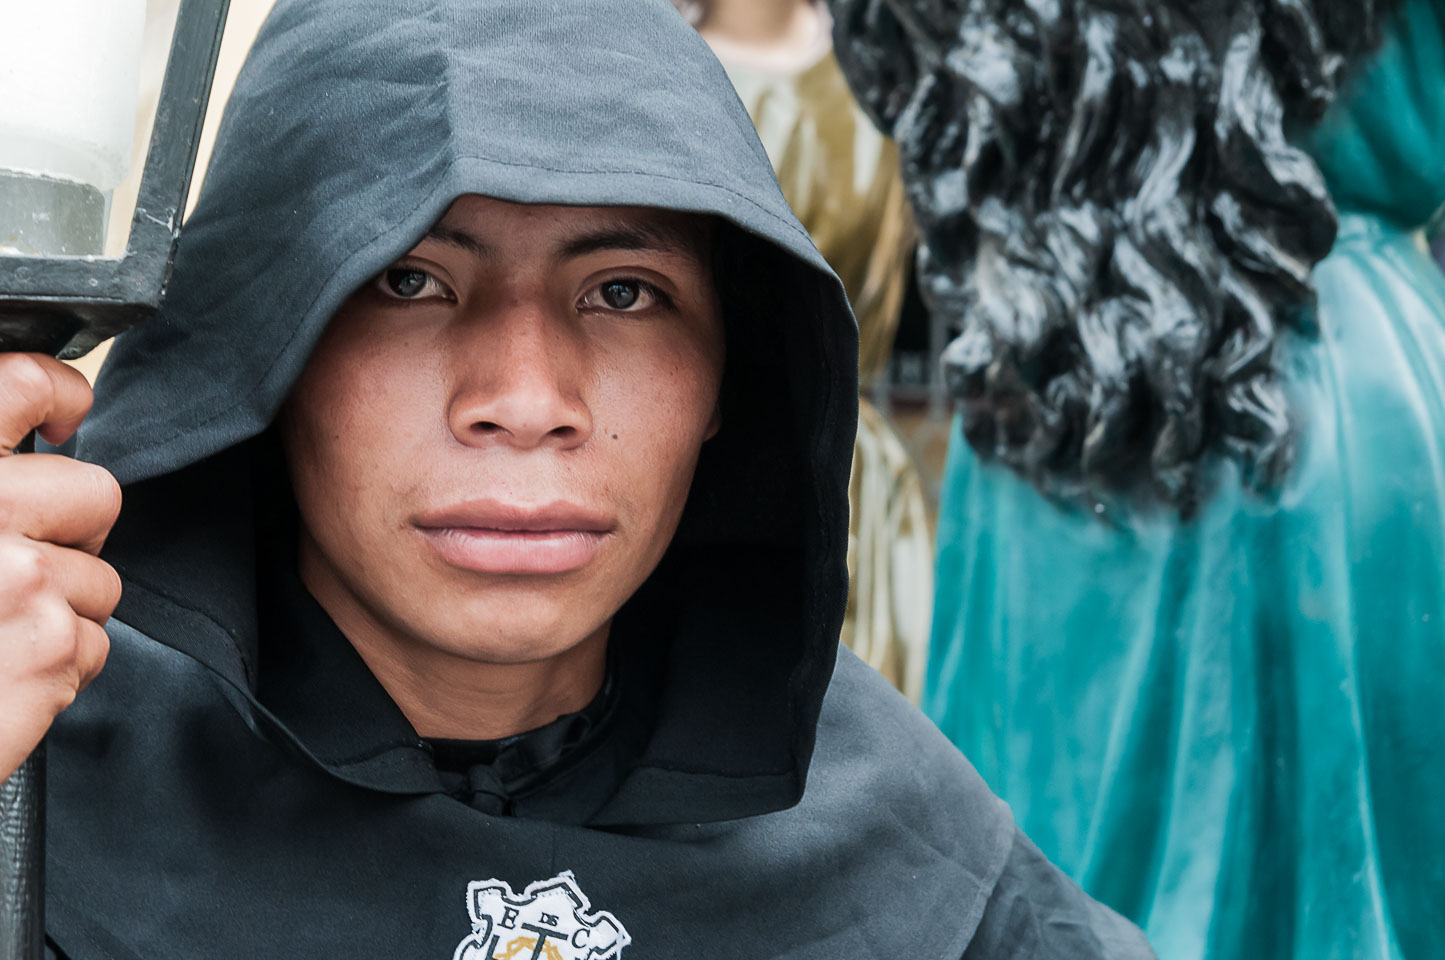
pixel 59 500
pixel 91 586
pixel 92 646
pixel 40 393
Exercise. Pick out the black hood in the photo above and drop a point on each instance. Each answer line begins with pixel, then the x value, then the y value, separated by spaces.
pixel 352 128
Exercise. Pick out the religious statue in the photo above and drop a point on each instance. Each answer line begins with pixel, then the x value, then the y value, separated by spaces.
pixel 1192 539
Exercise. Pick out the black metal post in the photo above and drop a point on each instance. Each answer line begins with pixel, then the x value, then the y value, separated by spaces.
pixel 22 861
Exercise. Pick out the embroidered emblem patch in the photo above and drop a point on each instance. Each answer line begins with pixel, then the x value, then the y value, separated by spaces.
pixel 550 920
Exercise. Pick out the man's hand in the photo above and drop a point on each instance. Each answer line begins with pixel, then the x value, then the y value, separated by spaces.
pixel 55 593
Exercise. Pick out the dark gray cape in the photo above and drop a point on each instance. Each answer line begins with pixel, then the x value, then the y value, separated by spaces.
pixel 782 807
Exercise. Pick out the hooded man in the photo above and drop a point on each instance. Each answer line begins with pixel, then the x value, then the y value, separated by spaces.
pixel 483 546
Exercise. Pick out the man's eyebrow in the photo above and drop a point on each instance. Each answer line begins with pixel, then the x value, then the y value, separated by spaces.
pixel 453 237
pixel 651 237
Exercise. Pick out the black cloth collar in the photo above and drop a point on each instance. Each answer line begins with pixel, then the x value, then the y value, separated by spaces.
pixel 512 766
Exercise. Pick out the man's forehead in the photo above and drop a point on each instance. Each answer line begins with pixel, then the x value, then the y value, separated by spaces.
pixel 480 223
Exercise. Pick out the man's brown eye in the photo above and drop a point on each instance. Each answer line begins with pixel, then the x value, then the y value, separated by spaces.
pixel 621 294
pixel 405 283
pixel 624 295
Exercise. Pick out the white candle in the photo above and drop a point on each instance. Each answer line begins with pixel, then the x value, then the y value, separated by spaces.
pixel 69 76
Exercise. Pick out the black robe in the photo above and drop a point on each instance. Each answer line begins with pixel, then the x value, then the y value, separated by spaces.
pixel 777 799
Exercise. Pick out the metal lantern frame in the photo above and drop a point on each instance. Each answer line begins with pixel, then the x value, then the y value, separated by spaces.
pixel 65 306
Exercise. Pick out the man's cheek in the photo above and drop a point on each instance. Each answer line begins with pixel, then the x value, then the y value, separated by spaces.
pixel 673 415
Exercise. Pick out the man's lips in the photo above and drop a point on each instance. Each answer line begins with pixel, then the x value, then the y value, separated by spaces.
pixel 488 536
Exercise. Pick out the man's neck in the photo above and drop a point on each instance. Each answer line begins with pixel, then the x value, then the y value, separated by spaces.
pixel 449 696
pixel 761 24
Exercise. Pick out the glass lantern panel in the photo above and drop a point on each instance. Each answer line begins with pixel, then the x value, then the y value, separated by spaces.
pixel 70 72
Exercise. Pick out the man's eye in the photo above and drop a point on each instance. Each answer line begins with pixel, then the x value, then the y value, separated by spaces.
pixel 409 283
pixel 624 295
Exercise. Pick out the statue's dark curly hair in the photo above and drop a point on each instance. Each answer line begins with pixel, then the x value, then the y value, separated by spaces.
pixel 1111 212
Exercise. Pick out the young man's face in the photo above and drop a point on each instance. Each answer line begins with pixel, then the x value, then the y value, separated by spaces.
pixel 492 444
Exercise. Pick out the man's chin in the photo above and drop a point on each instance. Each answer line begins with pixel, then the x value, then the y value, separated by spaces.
pixel 508 641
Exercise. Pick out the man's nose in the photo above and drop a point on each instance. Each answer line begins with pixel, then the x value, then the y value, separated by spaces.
pixel 520 376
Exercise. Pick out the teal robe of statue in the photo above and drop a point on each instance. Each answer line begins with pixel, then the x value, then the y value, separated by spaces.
pixel 1232 729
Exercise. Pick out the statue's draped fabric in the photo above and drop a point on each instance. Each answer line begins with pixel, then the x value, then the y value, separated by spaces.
pixel 1230 727
pixel 841 178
